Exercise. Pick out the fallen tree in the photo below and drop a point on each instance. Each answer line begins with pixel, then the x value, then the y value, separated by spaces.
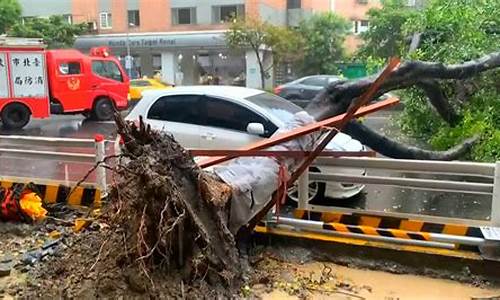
pixel 428 76
pixel 174 228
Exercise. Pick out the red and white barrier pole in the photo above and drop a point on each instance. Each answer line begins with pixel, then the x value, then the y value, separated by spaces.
pixel 100 150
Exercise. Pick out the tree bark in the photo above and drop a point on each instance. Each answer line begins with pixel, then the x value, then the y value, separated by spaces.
pixel 439 101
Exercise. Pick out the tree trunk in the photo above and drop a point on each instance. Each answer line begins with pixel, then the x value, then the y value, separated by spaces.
pixel 261 69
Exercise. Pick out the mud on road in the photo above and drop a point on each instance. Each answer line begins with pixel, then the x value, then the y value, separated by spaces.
pixel 277 272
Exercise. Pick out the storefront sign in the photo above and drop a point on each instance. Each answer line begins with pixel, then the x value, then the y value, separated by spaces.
pixel 160 40
pixel 141 43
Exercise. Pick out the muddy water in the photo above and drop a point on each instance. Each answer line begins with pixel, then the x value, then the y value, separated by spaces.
pixel 349 283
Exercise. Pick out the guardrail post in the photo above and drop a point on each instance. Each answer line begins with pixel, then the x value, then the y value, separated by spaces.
pixel 303 190
pixel 495 203
pixel 100 151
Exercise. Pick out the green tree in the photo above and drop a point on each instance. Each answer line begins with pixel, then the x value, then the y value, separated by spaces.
pixel 55 31
pixel 10 13
pixel 324 35
pixel 385 37
pixel 454 31
pixel 262 37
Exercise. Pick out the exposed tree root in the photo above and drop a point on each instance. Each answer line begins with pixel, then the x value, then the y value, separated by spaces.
pixel 173 214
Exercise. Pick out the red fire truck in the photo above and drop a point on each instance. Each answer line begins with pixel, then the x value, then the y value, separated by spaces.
pixel 35 82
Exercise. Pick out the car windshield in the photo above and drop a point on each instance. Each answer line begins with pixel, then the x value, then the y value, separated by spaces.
pixel 276 106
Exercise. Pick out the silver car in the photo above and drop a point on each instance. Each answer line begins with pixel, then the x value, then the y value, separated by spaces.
pixel 228 117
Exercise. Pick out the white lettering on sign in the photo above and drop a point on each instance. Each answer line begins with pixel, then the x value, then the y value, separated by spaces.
pixel 491 233
pixel 28 74
pixel 4 85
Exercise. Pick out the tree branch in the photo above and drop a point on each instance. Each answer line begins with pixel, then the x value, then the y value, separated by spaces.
pixel 338 95
pixel 336 98
pixel 393 149
pixel 437 98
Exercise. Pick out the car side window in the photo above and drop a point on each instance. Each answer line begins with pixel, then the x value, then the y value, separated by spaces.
pixel 227 115
pixel 177 108
pixel 315 81
pixel 70 68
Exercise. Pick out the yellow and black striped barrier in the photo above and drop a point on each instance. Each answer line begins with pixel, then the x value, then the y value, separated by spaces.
pixel 56 192
pixel 393 233
pixel 386 226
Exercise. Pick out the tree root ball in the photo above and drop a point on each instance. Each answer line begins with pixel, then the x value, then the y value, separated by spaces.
pixel 173 214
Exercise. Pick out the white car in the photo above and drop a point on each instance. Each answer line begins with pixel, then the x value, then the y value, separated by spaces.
pixel 228 117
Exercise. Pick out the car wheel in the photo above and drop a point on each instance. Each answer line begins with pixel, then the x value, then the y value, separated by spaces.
pixel 316 191
pixel 15 116
pixel 103 110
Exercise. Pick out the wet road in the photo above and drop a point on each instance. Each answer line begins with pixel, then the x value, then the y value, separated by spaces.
pixel 57 126
pixel 379 198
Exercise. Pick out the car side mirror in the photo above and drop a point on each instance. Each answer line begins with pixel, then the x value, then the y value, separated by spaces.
pixel 255 128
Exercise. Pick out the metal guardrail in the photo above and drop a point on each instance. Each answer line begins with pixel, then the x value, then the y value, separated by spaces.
pixel 471 170
pixel 98 144
pixel 21 140
pixel 414 166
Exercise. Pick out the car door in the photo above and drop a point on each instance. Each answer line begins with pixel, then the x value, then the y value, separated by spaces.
pixel 225 124
pixel 178 115
pixel 109 79
pixel 312 86
pixel 72 85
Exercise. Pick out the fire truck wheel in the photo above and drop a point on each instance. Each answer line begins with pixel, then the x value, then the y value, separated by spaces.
pixel 15 116
pixel 103 110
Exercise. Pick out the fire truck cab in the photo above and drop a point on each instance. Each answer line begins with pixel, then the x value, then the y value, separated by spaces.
pixel 35 83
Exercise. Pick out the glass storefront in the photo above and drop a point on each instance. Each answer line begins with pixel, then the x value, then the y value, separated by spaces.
pixel 218 67
pixel 183 58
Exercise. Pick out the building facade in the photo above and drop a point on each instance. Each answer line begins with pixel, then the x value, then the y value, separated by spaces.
pixel 184 39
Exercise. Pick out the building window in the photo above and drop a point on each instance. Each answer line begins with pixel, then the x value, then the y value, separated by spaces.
pixel 363 1
pixel 156 62
pixel 360 26
pixel 184 16
pixel 292 4
pixel 133 18
pixel 227 13
pixel 105 19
